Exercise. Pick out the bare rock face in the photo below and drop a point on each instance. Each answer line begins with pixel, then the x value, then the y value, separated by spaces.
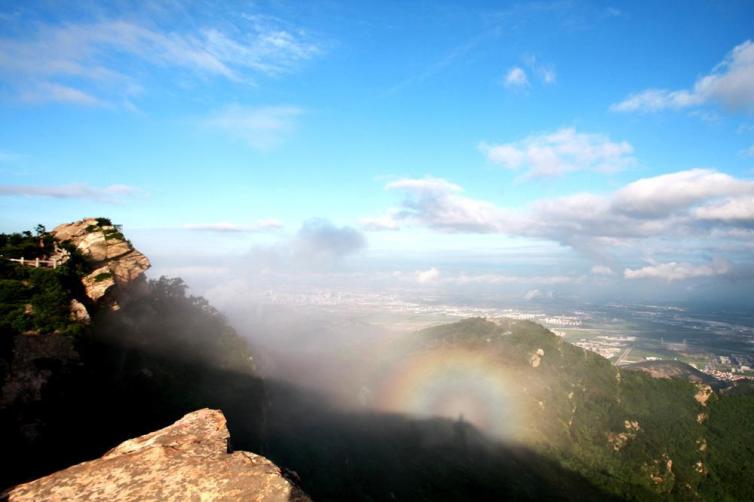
pixel 116 261
pixel 189 460
pixel 79 312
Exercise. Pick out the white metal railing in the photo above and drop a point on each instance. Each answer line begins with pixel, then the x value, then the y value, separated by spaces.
pixel 36 262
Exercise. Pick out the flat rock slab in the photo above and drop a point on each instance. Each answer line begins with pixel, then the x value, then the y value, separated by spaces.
pixel 187 461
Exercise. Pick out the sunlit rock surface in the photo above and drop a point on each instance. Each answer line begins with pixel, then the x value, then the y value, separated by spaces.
pixel 115 260
pixel 189 460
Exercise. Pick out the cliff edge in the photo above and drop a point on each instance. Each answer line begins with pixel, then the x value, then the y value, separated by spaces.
pixel 189 460
pixel 113 259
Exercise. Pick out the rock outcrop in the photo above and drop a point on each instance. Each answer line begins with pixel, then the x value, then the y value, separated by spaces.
pixel 113 258
pixel 189 460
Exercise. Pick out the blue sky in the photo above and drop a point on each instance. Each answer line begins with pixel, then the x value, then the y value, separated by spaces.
pixel 556 147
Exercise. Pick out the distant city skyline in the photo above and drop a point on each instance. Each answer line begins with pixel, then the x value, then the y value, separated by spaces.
pixel 535 151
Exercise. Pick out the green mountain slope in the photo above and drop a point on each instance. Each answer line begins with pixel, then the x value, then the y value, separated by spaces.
pixel 633 435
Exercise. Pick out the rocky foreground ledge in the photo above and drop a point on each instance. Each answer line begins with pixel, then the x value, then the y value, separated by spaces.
pixel 189 460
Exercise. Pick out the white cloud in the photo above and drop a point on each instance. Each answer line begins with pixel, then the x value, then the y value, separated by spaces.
pixel 111 193
pixel 437 203
pixel 548 76
pixel 561 152
pixel 733 210
pixel 667 193
pixel 602 270
pixel 89 63
pixel 692 204
pixel 653 100
pixel 673 271
pixel 49 92
pixel 730 84
pixel 429 184
pixel 262 128
pixel 457 279
pixel 516 78
pixel 320 241
pixel 545 72
pixel 258 226
pixel 427 276
pixel 493 279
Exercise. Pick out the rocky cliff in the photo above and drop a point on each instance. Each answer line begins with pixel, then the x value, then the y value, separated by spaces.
pixel 113 259
pixel 189 460
pixel 92 352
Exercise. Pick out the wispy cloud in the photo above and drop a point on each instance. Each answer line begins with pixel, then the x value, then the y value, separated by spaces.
pixel 520 77
pixel 561 152
pixel 262 128
pixel 730 84
pixel 265 225
pixel 111 193
pixel 544 71
pixel 90 63
pixel 49 92
pixel 433 275
pixel 673 271
pixel 516 78
pixel 602 270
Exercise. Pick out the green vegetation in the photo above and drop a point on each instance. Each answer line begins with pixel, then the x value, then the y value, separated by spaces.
pixel 730 440
pixel 114 233
pixel 632 435
pixel 104 222
pixel 65 399
pixel 36 300
pixel 103 276
pixel 26 245
pixel 165 320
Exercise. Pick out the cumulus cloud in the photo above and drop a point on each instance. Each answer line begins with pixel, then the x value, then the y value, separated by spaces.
pixel 665 206
pixel 318 247
pixel 692 204
pixel 561 152
pixel 225 227
pixel 730 84
pixel 516 78
pixel 668 193
pixel 88 63
pixel 438 204
pixel 262 128
pixel 319 240
pixel 673 271
pixel 427 276
pixel 111 193
pixel 734 210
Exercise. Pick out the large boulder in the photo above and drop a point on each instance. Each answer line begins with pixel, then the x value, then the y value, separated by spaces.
pixel 189 460
pixel 111 255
